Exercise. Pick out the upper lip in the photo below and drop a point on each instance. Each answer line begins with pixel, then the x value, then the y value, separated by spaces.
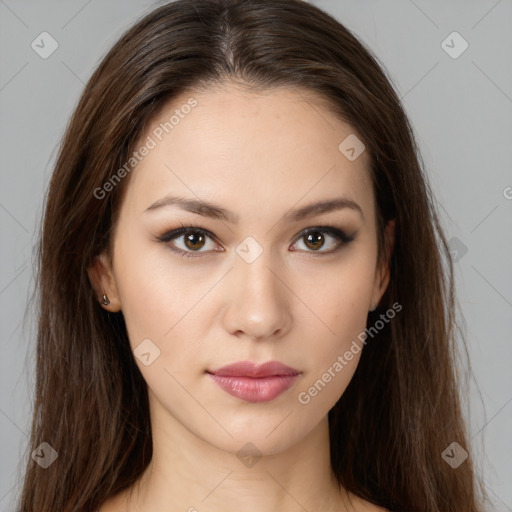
pixel 250 369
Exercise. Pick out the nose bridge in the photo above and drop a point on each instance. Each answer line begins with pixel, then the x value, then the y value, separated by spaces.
pixel 256 277
pixel 257 300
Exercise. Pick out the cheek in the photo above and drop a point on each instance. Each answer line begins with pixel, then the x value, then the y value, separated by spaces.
pixel 339 294
pixel 166 301
pixel 337 348
pixel 154 296
pixel 339 300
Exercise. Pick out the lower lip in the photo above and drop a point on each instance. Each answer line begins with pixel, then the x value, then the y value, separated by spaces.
pixel 250 389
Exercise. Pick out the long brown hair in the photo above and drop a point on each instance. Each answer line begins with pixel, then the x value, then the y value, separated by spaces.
pixel 402 408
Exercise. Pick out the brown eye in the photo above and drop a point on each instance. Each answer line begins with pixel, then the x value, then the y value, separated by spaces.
pixel 314 240
pixel 190 241
pixel 322 240
pixel 194 240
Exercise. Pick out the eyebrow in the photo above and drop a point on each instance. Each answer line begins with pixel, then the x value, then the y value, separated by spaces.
pixel 214 211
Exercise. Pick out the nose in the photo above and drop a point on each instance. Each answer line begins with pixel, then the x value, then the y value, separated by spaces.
pixel 258 305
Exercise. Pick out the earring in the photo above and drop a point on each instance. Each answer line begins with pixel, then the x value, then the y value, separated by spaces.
pixel 105 300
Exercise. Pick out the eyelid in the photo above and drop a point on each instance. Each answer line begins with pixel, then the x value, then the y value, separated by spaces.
pixel 171 234
pixel 338 233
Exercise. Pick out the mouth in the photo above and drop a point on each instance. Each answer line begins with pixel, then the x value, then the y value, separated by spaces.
pixel 255 383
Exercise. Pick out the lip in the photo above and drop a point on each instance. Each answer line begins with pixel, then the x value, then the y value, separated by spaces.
pixel 250 369
pixel 255 383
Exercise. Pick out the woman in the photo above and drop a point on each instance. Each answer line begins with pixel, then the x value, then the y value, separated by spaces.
pixel 244 302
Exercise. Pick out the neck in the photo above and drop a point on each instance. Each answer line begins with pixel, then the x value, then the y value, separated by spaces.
pixel 194 476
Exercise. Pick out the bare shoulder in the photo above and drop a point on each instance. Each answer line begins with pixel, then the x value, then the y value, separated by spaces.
pixel 117 503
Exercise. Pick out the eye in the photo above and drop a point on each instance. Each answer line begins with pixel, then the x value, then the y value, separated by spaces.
pixel 188 240
pixel 314 239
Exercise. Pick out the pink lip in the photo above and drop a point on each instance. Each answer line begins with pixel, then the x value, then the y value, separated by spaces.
pixel 254 383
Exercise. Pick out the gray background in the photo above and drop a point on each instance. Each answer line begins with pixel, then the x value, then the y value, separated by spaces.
pixel 461 111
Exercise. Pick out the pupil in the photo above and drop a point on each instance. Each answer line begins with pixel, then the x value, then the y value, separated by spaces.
pixel 191 240
pixel 311 239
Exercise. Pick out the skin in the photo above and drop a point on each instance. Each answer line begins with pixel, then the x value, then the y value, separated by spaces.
pixel 258 155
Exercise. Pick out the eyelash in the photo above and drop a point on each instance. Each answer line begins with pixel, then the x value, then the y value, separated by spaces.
pixel 172 234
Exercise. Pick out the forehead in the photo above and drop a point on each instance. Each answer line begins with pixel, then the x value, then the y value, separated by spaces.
pixel 276 147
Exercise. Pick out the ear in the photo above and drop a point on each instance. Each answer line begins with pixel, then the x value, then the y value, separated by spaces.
pixel 103 282
pixel 382 274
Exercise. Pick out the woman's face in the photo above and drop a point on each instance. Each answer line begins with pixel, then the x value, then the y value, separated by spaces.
pixel 261 276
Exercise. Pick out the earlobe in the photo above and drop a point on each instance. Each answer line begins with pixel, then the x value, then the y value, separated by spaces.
pixel 103 282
